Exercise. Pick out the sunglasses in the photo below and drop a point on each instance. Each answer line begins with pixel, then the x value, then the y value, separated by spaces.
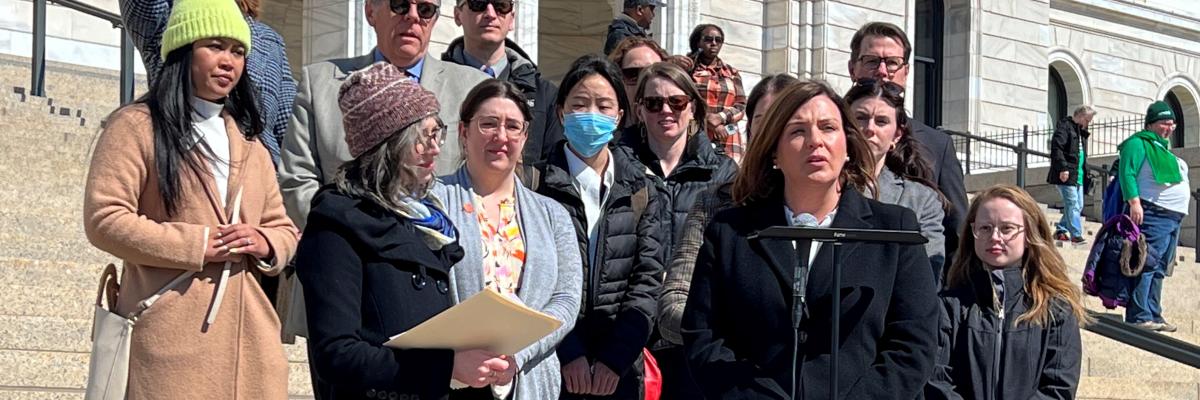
pixel 631 74
pixel 424 10
pixel 501 6
pixel 655 103
pixel 712 39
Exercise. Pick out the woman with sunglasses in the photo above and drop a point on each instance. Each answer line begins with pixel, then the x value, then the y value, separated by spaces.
pixel 902 175
pixel 808 167
pixel 616 211
pixel 376 254
pixel 1010 309
pixel 633 55
pixel 515 241
pixel 720 84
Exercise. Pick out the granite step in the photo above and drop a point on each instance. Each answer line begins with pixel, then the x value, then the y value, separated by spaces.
pixel 1106 388
pixel 49 371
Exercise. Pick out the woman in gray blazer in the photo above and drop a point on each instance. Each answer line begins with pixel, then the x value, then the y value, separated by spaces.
pixel 509 234
pixel 903 176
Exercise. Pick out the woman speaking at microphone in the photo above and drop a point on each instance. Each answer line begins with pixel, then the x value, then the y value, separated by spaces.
pixel 808 168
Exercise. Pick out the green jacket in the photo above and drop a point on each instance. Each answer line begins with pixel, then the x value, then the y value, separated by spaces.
pixel 1146 146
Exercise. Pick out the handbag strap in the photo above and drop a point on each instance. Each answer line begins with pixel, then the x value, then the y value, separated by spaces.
pixel 109 286
pixel 149 301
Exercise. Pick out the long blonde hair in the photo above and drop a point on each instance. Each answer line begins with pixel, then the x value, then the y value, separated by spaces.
pixel 1044 270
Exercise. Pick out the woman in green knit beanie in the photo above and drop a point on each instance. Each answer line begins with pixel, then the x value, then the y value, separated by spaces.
pixel 1155 185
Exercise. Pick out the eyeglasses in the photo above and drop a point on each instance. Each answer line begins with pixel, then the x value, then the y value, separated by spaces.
pixel 712 39
pixel 893 64
pixel 655 103
pixel 425 10
pixel 433 137
pixel 631 74
pixel 502 7
pixel 985 231
pixel 492 126
pixel 891 88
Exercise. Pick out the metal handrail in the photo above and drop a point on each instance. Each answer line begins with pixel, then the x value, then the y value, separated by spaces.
pixel 1112 327
pixel 37 85
pixel 91 10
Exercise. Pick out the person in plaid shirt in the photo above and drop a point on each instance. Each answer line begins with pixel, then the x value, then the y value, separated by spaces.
pixel 721 86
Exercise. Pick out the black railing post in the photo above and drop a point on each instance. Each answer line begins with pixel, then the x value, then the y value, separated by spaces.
pixel 38 85
pixel 126 68
pixel 1022 163
pixel 1196 229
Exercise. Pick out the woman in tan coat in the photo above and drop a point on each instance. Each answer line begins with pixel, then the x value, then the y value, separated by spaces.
pixel 180 187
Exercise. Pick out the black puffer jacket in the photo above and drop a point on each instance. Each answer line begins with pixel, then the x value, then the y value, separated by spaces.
pixel 1064 151
pixel 546 129
pixel 700 168
pixel 985 356
pixel 620 297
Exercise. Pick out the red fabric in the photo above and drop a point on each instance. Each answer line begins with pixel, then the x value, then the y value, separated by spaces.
pixel 653 376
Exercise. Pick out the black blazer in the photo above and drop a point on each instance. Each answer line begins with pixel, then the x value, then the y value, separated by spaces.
pixel 938 149
pixel 367 275
pixel 737 327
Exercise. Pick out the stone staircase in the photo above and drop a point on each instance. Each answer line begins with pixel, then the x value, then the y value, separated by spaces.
pixel 1112 370
pixel 48 271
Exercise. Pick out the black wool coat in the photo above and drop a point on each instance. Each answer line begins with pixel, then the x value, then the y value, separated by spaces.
pixel 367 276
pixel 737 327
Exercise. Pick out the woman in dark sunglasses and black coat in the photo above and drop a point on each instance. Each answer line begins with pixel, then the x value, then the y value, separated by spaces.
pixel 671 142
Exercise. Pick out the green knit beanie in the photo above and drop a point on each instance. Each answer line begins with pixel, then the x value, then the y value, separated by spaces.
pixel 192 20
pixel 1158 112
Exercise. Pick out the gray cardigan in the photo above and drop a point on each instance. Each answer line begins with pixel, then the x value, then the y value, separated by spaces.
pixel 926 203
pixel 551 280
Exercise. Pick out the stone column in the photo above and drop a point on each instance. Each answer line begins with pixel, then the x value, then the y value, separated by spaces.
pixel 526 32
pixel 333 29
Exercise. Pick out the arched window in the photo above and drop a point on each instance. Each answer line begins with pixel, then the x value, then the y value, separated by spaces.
pixel 1180 119
pixel 927 63
pixel 1057 101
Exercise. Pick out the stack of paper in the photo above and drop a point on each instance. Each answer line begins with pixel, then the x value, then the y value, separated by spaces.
pixel 486 321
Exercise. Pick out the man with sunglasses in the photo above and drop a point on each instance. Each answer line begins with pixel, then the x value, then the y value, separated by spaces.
pixel 880 50
pixel 485 46
pixel 634 20
pixel 315 145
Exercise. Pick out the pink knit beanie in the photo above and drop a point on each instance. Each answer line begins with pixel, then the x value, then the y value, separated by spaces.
pixel 380 101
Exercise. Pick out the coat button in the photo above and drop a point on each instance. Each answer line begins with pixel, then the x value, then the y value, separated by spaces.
pixel 393 396
pixel 419 282
pixel 442 286
pixel 371 393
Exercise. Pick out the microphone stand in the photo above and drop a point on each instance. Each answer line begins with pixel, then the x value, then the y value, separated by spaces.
pixel 804 237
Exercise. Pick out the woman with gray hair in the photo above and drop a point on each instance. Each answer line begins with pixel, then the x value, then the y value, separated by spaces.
pixel 376 253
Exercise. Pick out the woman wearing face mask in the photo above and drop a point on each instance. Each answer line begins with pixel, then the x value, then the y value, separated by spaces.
pixel 181 189
pixel 1011 310
pixel 616 211
pixel 902 174
pixel 807 167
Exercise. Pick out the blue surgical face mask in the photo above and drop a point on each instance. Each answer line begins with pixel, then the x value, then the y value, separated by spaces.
pixel 587 132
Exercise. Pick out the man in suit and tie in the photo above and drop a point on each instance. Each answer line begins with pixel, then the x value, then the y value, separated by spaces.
pixel 881 51
pixel 315 144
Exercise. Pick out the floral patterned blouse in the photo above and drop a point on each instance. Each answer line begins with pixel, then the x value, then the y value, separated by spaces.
pixel 503 248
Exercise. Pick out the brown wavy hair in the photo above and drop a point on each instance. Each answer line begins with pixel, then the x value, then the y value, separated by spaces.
pixel 633 42
pixel 1044 270
pixel 757 179
pixel 678 77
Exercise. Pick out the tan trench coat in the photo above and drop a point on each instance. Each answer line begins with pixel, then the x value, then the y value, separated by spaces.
pixel 174 355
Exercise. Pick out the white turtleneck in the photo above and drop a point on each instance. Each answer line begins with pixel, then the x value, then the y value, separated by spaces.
pixel 210 127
